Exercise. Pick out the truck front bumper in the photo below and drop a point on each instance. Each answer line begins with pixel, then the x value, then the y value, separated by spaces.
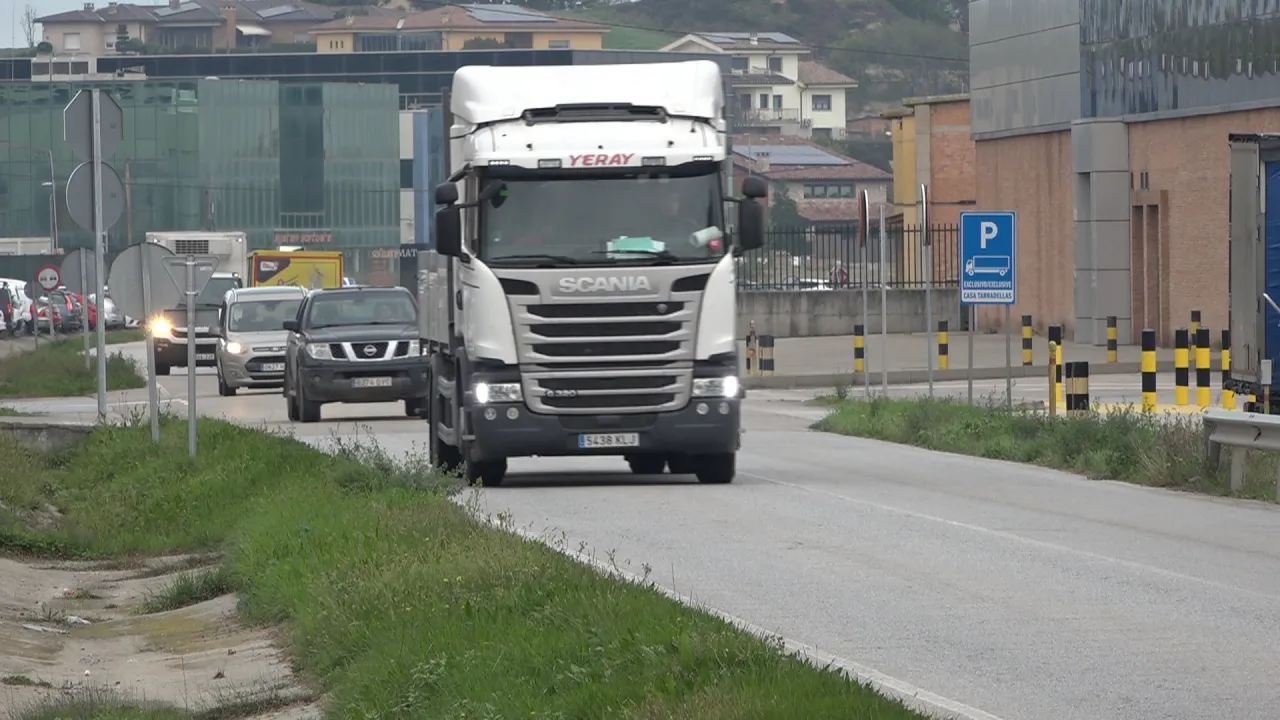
pixel 348 382
pixel 504 430
pixel 174 354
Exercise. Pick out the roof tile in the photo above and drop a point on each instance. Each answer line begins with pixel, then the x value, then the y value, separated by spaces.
pixel 815 73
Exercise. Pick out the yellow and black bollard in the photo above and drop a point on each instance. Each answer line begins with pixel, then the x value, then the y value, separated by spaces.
pixel 859 348
pixel 1181 367
pixel 944 346
pixel 1055 337
pixel 1149 397
pixel 753 341
pixel 1077 373
pixel 1053 377
pixel 1228 395
pixel 766 354
pixel 1113 339
pixel 1195 329
pixel 1204 370
pixel 1028 354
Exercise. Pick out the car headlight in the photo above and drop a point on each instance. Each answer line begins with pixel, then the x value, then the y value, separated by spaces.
pixel 235 348
pixel 486 393
pixel 161 327
pixel 319 351
pixel 725 387
pixel 415 347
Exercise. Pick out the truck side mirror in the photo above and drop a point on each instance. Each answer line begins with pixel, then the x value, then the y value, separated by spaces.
pixel 449 231
pixel 754 186
pixel 291 325
pixel 446 193
pixel 750 225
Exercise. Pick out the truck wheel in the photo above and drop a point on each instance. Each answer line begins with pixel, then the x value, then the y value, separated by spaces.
pixel 413 407
pixel 717 469
pixel 680 464
pixel 443 456
pixel 647 464
pixel 488 473
pixel 291 408
pixel 162 369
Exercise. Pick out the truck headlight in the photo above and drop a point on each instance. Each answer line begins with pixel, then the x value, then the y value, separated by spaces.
pixel 723 387
pixel 161 327
pixel 486 393
pixel 235 348
pixel 319 351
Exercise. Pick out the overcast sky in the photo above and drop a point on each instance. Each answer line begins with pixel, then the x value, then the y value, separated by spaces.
pixel 11 18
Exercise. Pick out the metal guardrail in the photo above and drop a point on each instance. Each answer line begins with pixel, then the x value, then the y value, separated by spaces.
pixel 1241 432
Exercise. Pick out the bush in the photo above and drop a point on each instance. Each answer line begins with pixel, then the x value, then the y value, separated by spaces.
pixel 56 369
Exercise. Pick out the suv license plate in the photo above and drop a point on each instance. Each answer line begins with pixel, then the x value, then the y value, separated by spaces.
pixel 610 440
pixel 272 367
pixel 371 382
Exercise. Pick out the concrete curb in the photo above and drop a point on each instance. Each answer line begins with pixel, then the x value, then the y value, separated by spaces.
pixel 43 434
pixel 910 377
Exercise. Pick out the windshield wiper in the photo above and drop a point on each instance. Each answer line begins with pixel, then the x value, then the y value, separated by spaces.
pixel 657 254
pixel 537 256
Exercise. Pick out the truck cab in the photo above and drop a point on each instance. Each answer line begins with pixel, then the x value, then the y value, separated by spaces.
pixel 581 298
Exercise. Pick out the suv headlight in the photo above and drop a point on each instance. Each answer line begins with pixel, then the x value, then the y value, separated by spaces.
pixel 723 387
pixel 486 393
pixel 319 351
pixel 415 348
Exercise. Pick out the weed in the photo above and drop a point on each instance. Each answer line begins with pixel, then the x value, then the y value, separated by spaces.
pixel 96 704
pixel 56 369
pixel 1144 448
pixel 403 604
pixel 842 388
pixel 24 681
pixel 189 588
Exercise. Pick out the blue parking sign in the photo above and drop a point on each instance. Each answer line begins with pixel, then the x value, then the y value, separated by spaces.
pixel 989 258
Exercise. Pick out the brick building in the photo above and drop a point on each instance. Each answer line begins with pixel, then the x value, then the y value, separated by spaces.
pixel 932 145
pixel 1104 125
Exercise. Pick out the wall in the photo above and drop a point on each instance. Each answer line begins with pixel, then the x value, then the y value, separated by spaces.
pixel 808 314
pixel 1024 65
pixel 1032 174
pixel 952 186
pixel 833 119
pixel 541 40
pixel 92 37
pixel 906 195
pixel 877 191
pixel 332 42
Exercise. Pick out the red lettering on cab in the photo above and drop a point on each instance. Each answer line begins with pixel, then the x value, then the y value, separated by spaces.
pixel 600 159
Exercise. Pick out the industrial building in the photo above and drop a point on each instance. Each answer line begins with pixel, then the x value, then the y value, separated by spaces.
pixel 1104 125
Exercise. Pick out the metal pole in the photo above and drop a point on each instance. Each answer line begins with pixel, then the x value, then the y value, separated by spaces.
pixel 866 296
pixel 1008 358
pixel 153 390
pixel 926 245
pixel 884 311
pixel 53 204
pixel 99 249
pixel 191 356
pixel 973 318
pixel 84 308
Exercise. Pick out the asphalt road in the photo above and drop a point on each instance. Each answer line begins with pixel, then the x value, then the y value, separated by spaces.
pixel 1012 591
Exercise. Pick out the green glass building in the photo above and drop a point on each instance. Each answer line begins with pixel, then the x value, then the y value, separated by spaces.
pixel 305 163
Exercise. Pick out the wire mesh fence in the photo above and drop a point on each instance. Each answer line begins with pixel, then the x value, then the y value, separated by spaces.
pixel 830 258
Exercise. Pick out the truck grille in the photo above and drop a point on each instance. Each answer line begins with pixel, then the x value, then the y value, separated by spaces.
pixel 604 355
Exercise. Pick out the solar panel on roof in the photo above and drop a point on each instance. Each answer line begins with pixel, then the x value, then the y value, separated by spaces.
pixel 505 13
pixel 792 155
pixel 730 38
pixel 184 7
pixel 278 10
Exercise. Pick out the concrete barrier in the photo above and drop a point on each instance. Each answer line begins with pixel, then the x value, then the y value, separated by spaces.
pixel 836 312
pixel 44 435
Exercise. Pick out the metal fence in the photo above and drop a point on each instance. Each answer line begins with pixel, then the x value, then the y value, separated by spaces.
pixel 829 258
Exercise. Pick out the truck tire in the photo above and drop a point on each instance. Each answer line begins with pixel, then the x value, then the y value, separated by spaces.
pixel 486 473
pixel 647 464
pixel 162 369
pixel 413 407
pixel 680 464
pixel 442 456
pixel 291 408
pixel 717 469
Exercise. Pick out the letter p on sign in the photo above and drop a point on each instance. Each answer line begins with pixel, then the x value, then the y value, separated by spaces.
pixel 986 231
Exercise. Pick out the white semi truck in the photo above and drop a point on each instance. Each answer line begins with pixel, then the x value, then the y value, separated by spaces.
pixel 580 299
pixel 169 325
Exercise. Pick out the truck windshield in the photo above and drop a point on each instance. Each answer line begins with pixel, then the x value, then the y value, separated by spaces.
pixel 261 315
pixel 642 215
pixel 215 289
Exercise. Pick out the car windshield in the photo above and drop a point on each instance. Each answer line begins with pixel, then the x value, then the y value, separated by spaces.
pixel 361 307
pixel 261 315
pixel 646 214
pixel 215 289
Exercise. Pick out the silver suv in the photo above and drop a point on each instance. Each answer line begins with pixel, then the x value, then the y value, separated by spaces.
pixel 251 336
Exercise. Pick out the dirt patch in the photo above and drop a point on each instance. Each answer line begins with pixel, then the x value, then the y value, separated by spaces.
pixel 76 628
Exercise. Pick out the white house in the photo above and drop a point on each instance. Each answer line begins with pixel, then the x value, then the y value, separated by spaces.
pixel 780 90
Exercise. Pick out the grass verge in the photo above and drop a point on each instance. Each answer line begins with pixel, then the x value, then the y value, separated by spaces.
pixel 395 599
pixel 56 369
pixel 189 588
pixel 1142 448
pixel 115 337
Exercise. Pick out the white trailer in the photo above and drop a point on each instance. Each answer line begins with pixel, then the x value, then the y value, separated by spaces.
pixel 581 298
pixel 169 325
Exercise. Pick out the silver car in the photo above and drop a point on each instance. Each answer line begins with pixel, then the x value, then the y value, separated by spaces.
pixel 251 336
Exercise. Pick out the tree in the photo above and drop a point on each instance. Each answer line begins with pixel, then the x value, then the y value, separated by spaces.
pixel 29 15
pixel 788 230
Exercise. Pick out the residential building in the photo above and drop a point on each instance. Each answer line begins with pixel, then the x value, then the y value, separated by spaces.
pixel 823 183
pixel 1105 128
pixel 188 25
pixel 459 27
pixel 932 146
pixel 779 89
